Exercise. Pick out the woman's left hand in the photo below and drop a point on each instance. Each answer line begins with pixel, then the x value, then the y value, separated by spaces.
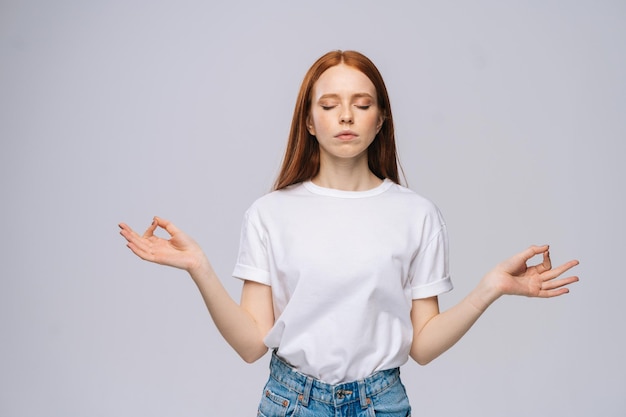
pixel 515 277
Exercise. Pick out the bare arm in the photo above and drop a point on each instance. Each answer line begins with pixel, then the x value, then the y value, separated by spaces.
pixel 435 332
pixel 243 325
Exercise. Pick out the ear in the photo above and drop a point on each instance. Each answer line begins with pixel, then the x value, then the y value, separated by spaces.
pixel 381 120
pixel 309 125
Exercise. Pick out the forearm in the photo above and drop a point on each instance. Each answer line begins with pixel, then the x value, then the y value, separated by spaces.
pixel 435 332
pixel 234 322
pixel 445 329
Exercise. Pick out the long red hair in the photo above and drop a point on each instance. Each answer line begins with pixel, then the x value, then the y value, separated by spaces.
pixel 302 156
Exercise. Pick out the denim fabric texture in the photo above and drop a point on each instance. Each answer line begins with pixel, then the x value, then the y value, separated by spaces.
pixel 288 393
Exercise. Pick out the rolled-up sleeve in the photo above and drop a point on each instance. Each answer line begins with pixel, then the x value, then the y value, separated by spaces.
pixel 252 260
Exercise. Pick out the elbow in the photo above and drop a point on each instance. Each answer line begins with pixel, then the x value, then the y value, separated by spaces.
pixel 253 355
pixel 249 359
pixel 422 361
pixel 421 358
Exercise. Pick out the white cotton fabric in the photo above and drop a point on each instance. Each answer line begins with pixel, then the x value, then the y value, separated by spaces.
pixel 344 267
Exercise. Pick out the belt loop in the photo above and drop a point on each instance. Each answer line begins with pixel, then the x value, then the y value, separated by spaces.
pixel 363 395
pixel 307 391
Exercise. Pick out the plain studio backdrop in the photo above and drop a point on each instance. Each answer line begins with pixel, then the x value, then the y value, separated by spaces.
pixel 510 116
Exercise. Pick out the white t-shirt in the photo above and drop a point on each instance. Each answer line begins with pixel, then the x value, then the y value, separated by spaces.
pixel 344 267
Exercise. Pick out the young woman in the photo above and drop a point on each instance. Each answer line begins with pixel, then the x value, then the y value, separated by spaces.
pixel 341 265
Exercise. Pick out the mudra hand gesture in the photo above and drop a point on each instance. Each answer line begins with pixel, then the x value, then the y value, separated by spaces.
pixel 180 251
pixel 515 277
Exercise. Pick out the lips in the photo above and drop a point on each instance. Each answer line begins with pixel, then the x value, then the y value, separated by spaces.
pixel 346 135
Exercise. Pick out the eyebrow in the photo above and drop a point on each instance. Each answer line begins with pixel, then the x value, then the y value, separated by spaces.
pixel 357 95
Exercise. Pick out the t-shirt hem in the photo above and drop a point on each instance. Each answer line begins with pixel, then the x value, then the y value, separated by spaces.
pixel 434 288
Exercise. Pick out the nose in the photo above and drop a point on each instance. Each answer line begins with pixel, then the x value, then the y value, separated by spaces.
pixel 346 116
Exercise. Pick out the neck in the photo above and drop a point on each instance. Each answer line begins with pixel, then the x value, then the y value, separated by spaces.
pixel 346 176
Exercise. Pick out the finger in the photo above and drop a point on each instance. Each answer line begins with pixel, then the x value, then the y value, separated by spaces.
pixel 530 252
pixel 141 246
pixel 137 250
pixel 558 283
pixel 556 287
pixel 125 228
pixel 127 232
pixel 167 225
pixel 138 244
pixel 553 293
pixel 546 264
pixel 150 230
pixel 549 275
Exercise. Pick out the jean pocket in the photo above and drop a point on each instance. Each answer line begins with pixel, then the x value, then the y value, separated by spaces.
pixel 392 402
pixel 273 404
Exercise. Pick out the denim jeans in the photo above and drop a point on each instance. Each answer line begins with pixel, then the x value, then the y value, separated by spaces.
pixel 288 393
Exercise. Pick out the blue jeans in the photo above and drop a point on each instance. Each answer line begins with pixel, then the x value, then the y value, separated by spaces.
pixel 288 393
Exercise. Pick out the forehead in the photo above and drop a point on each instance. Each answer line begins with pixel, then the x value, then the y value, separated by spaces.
pixel 343 80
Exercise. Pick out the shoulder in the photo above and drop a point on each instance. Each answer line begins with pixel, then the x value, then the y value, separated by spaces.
pixel 275 200
pixel 413 211
pixel 412 200
pixel 280 195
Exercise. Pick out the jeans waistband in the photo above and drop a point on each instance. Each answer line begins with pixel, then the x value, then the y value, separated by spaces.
pixel 311 388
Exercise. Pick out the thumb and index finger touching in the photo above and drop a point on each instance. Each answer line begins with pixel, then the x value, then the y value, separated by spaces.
pixel 163 224
pixel 546 264
pixel 156 222
pixel 518 261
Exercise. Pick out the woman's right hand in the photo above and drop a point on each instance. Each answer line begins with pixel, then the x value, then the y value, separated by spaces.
pixel 180 251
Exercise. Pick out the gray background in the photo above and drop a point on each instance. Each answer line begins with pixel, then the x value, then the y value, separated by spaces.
pixel 510 116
